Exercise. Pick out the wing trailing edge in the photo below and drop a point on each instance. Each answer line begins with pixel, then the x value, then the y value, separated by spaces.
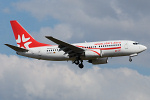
pixel 70 49
pixel 64 44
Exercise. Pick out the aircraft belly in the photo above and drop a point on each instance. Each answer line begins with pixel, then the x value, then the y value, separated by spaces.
pixel 52 57
pixel 58 56
pixel 113 53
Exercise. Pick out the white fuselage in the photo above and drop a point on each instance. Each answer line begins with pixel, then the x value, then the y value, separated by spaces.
pixel 92 50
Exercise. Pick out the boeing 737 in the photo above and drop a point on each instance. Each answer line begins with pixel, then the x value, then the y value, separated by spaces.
pixel 93 52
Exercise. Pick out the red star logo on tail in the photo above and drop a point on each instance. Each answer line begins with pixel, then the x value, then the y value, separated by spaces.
pixel 23 42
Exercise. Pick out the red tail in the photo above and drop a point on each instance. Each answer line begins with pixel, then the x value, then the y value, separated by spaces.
pixel 23 38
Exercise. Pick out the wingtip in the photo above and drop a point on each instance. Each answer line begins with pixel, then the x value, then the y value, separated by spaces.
pixel 6 44
pixel 48 36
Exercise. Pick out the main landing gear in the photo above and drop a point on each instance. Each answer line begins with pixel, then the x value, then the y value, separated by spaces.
pixel 79 62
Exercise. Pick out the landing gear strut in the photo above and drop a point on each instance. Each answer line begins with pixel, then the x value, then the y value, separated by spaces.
pixel 79 62
pixel 130 59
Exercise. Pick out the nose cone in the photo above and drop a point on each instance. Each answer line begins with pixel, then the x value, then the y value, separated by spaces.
pixel 143 48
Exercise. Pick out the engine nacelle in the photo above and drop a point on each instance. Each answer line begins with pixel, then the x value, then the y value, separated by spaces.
pixel 99 61
pixel 92 53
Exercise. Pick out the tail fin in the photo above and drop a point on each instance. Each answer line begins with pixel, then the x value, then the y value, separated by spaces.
pixel 23 38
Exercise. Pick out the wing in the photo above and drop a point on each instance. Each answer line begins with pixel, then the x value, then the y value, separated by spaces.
pixel 66 47
pixel 17 48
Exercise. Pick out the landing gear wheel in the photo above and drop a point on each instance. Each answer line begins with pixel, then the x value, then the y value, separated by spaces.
pixel 76 62
pixel 81 66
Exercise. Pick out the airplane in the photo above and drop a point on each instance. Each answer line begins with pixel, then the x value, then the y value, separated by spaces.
pixel 94 52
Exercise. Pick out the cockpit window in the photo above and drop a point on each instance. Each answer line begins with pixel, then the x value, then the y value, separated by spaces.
pixel 136 43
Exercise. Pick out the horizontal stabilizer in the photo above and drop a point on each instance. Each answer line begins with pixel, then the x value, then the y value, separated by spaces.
pixel 17 48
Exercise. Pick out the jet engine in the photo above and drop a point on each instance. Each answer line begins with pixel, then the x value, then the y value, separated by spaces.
pixel 99 61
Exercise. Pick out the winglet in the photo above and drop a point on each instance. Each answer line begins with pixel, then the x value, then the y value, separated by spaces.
pixel 17 48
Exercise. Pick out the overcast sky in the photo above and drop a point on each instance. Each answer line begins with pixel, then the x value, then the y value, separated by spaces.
pixel 75 21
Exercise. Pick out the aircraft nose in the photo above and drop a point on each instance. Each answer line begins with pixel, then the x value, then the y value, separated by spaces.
pixel 144 48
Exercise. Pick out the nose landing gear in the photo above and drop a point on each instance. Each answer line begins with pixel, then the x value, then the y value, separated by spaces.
pixel 133 55
pixel 130 59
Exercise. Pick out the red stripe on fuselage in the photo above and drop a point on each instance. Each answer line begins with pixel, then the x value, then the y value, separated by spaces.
pixel 96 52
pixel 110 48
pixel 102 48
